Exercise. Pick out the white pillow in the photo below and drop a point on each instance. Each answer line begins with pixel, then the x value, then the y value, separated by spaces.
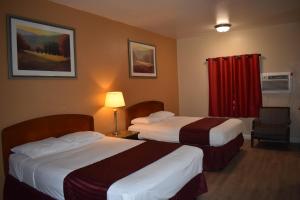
pixel 162 114
pixel 144 120
pixel 82 137
pixel 42 147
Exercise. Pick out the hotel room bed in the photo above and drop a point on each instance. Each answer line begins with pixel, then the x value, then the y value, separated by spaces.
pixel 221 144
pixel 128 169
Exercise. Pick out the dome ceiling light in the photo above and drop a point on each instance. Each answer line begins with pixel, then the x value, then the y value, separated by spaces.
pixel 223 27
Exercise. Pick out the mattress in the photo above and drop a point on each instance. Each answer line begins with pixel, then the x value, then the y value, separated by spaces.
pixel 168 130
pixel 155 181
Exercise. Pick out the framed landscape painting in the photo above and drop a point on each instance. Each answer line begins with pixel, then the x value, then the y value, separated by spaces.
pixel 142 60
pixel 39 49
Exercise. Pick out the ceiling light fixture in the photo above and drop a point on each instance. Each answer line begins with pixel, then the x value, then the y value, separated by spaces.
pixel 222 27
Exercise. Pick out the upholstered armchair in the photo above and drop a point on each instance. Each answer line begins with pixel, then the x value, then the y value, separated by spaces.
pixel 272 124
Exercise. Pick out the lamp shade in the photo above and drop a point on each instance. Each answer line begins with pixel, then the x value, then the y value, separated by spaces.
pixel 114 100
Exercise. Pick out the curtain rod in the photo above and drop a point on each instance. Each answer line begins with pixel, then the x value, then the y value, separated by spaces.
pixel 235 56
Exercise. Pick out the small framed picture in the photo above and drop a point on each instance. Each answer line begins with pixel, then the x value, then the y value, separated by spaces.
pixel 142 60
pixel 39 49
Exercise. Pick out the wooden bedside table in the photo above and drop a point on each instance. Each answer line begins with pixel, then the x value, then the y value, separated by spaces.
pixel 125 134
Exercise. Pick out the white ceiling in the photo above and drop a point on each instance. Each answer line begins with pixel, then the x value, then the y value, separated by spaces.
pixel 188 18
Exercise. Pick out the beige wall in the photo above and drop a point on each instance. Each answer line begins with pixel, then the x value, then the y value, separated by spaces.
pixel 102 65
pixel 279 46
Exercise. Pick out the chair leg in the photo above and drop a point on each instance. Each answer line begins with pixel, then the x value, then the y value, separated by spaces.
pixel 252 141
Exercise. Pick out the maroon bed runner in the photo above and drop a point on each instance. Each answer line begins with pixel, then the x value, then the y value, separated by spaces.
pixel 93 181
pixel 198 132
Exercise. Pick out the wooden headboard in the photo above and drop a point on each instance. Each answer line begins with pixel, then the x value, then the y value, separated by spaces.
pixel 41 128
pixel 142 109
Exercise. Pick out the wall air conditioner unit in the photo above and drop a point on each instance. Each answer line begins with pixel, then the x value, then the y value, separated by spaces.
pixel 277 82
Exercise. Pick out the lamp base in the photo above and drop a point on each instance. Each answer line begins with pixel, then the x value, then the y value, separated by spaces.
pixel 116 133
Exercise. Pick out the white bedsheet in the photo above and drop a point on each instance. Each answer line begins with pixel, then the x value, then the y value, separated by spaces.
pixel 159 180
pixel 168 130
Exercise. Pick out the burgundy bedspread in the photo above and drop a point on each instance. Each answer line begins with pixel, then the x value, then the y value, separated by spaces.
pixel 93 181
pixel 198 132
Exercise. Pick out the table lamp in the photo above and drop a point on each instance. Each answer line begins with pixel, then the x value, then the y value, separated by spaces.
pixel 114 100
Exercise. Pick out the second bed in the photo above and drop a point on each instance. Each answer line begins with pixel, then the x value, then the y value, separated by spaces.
pixel 223 141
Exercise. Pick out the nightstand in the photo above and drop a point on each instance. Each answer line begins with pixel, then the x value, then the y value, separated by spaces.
pixel 125 134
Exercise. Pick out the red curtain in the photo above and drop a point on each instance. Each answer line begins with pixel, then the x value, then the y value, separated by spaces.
pixel 234 86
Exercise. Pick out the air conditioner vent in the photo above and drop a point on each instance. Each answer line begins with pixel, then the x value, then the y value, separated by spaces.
pixel 279 82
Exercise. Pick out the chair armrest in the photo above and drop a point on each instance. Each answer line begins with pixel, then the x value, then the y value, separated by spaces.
pixel 255 123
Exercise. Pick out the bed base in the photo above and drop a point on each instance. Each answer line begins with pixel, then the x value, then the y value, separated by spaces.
pixel 216 158
pixel 14 189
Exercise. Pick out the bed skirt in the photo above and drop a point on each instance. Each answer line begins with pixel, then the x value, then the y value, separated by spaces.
pixel 15 190
pixel 216 158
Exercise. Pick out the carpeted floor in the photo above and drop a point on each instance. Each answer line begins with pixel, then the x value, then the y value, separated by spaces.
pixel 270 171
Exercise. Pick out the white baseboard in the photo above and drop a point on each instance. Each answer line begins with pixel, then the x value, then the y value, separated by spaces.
pixel 295 139
pixel 247 136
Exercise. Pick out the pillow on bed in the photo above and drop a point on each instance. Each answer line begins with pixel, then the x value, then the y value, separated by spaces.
pixel 42 147
pixel 81 137
pixel 162 114
pixel 144 120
